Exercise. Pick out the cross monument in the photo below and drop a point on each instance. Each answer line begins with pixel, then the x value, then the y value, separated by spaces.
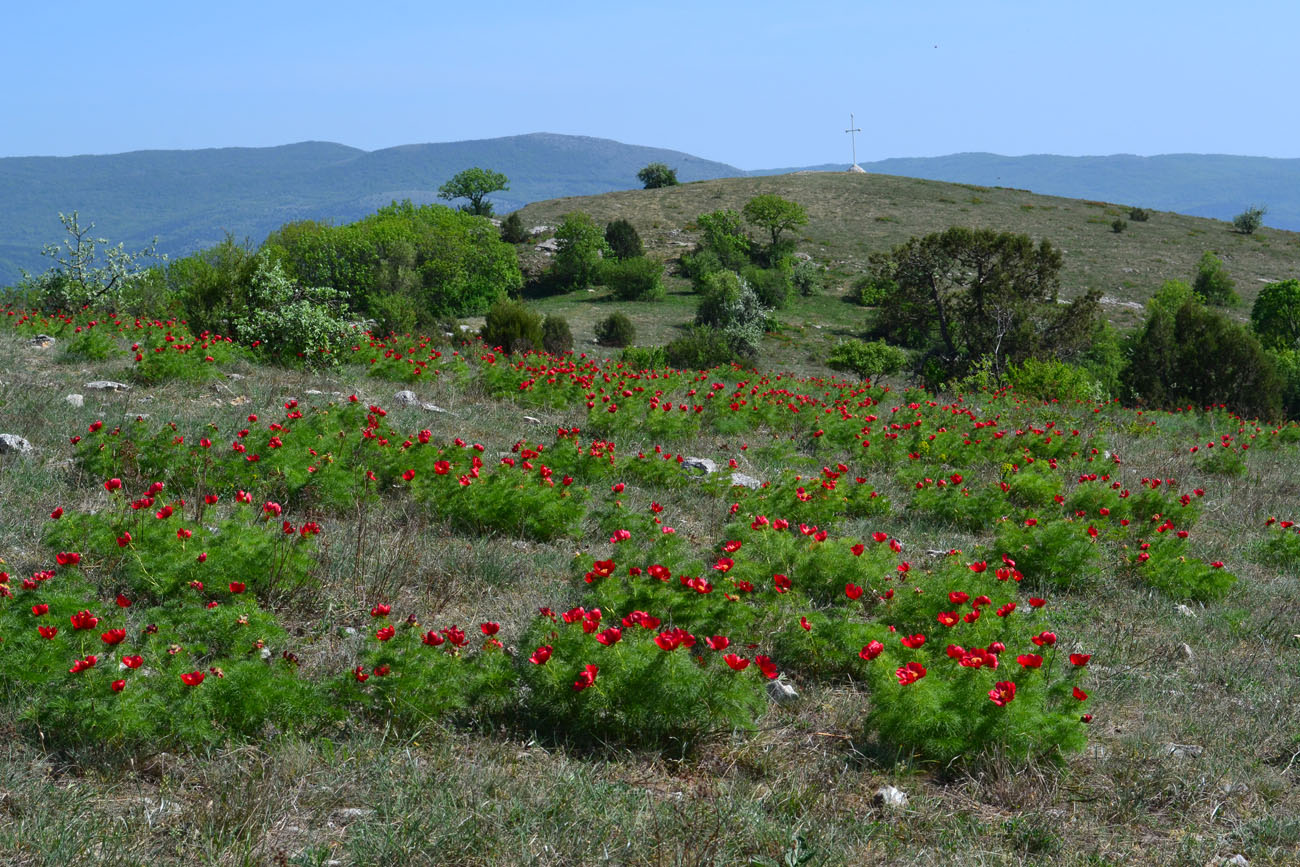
pixel 853 131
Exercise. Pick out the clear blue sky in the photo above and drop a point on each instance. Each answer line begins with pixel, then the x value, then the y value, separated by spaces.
pixel 756 84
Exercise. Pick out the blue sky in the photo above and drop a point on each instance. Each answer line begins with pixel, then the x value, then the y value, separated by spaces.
pixel 756 84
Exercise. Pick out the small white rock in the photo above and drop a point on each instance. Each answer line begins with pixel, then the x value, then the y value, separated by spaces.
pixel 75 400
pixel 531 420
pixel 743 480
pixel 705 464
pixel 1237 860
pixel 782 693
pixel 12 444
pixel 1184 610
pixel 1186 653
pixel 891 797
pixel 107 385
pixel 431 407
pixel 1183 751
pixel 406 398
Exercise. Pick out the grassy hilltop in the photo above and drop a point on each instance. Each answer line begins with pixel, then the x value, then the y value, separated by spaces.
pixel 853 215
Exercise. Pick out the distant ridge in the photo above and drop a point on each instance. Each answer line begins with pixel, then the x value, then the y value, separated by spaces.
pixel 190 198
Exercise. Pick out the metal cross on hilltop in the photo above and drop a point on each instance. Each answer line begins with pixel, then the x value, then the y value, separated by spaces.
pixel 853 131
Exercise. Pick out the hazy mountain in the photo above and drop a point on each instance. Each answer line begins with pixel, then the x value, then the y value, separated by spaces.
pixel 190 198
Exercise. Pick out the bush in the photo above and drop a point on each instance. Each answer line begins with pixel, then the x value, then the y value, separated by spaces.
pixel 808 278
pixel 1275 315
pixel 581 246
pixel 700 348
pixel 871 290
pixel 393 314
pixel 1249 220
pixel 615 330
pixel 771 285
pixel 1212 282
pixel 723 232
pixel 1046 380
pixel 644 357
pixel 1118 225
pixel 1139 215
pixel 512 229
pixel 872 361
pixel 623 240
pixel 557 339
pixel 657 175
pixel 513 327
pixel 636 279
pixel 289 322
pixel 732 307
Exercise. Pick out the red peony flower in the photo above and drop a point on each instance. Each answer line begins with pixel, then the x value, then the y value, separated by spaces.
pixel 84 620
pixel 737 663
pixel 586 677
pixel 871 650
pixel 133 661
pixel 781 582
pixel 910 673
pixel 490 628
pixel 67 558
pixel 852 591
pixel 1002 692
pixel 113 636
pixel 48 632
pixel 385 632
pixel 40 609
pixel 1080 658
pixel 117 685
pixel 718 642
pixel 912 642
pixel 1030 660
pixel 767 666
pixel 541 655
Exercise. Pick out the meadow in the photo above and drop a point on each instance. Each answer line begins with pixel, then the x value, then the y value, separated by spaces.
pixel 254 615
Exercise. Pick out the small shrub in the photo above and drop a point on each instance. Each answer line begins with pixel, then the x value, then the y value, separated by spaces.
pixel 1163 564
pixel 1119 224
pixel 513 230
pixel 1212 282
pixel 873 360
pixel 645 357
pixel 615 330
pixel 290 322
pixel 557 339
pixel 623 240
pixel 90 343
pixel 581 248
pixel 513 327
pixel 808 278
pixel 701 348
pixel 771 285
pixel 1047 380
pixel 393 314
pixel 1139 215
pixel 635 279
pixel 732 307
pixel 1249 220
pixel 871 290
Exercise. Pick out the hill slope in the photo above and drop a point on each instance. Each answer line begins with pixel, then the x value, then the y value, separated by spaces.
pixel 854 215
pixel 190 198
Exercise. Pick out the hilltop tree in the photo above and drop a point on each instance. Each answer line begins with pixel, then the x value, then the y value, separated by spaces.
pixel 775 215
pixel 1249 220
pixel 474 184
pixel 88 272
pixel 657 175
pixel 1213 283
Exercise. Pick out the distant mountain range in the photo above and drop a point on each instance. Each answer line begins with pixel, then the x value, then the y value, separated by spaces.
pixel 189 199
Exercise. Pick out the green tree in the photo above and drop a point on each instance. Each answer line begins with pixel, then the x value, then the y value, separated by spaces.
pixel 731 306
pixel 623 239
pixel 722 233
pixel 1212 282
pixel 1275 315
pixel 976 293
pixel 774 215
pixel 581 249
pixel 1194 354
pixel 513 327
pixel 290 322
pixel 1249 220
pixel 474 184
pixel 657 175
pixel 212 285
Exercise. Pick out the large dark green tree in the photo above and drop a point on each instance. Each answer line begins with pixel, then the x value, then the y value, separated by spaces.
pixel 474 184
pixel 969 294
pixel 1193 354
pixel 657 175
